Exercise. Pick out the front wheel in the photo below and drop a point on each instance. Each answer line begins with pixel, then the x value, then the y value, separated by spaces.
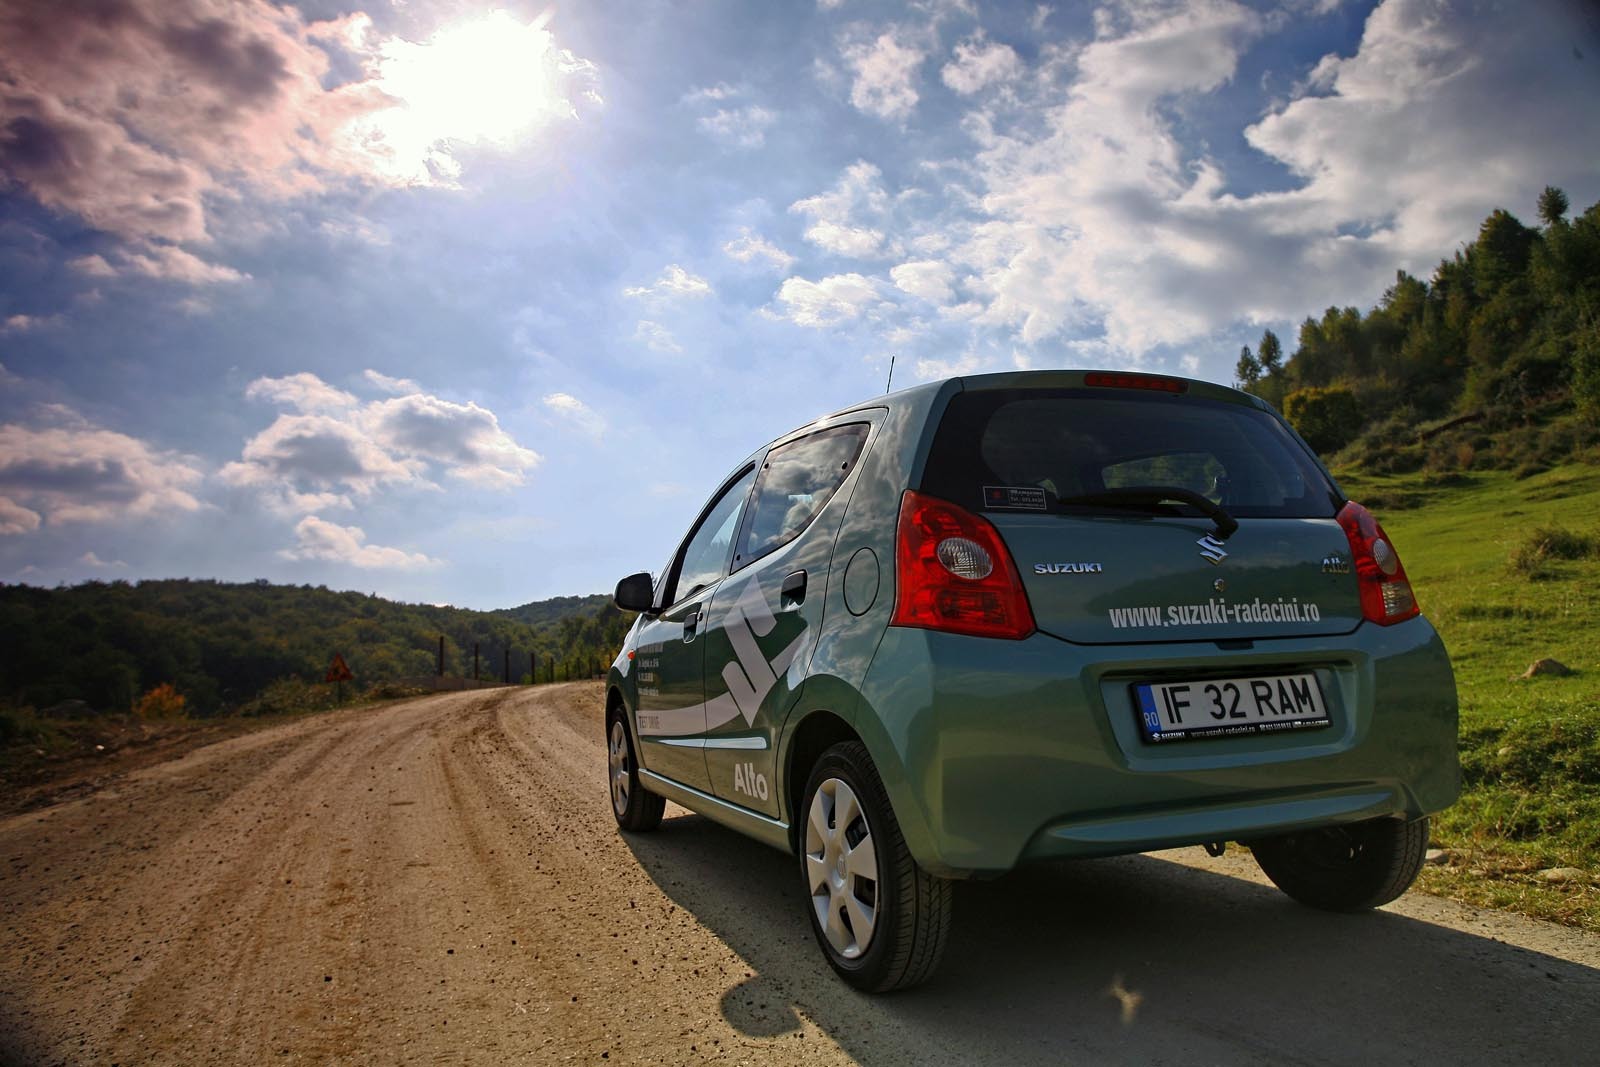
pixel 635 807
pixel 881 920
pixel 1346 868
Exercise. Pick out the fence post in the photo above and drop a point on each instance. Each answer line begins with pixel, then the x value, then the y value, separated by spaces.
pixel 474 661
pixel 441 655
pixel 507 678
pixel 533 668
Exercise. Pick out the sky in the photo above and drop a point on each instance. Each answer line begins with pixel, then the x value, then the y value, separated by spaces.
pixel 475 303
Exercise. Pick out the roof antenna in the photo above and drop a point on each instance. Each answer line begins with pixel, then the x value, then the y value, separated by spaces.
pixel 891 373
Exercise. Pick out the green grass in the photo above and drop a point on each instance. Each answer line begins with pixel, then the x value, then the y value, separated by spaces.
pixel 1508 569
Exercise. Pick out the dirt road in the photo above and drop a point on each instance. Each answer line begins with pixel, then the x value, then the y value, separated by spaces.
pixel 440 881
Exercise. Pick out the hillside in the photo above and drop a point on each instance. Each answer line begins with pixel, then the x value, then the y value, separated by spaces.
pixel 219 644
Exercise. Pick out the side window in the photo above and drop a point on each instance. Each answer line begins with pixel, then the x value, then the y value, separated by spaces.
pixel 797 481
pixel 705 557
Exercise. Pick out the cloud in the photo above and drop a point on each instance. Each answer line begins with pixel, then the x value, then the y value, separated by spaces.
pixel 883 75
pixel 139 116
pixel 828 302
pixel 336 448
pixel 744 127
pixel 28 323
pixel 319 539
pixel 749 247
pixel 303 391
pixel 394 386
pixel 674 281
pixel 465 439
pixel 980 63
pixel 928 279
pixel 89 559
pixel 842 219
pixel 576 412
pixel 78 472
pixel 656 337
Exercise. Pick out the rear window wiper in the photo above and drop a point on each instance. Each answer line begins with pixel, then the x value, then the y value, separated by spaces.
pixel 1156 494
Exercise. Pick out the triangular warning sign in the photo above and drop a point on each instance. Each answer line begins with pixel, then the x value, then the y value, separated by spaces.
pixel 338 670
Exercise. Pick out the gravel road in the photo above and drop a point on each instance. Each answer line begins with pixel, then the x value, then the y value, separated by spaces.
pixel 439 881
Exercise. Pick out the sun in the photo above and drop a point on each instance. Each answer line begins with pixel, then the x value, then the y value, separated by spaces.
pixel 488 80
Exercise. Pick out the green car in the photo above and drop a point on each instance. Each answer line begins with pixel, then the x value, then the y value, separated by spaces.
pixel 1018 617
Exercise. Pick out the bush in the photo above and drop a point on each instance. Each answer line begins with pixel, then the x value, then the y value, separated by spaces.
pixel 288 696
pixel 1550 543
pixel 162 702
pixel 1327 418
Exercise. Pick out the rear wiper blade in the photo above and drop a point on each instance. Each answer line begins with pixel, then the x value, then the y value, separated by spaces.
pixel 1156 494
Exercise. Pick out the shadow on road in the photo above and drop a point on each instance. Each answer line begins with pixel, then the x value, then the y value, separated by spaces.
pixel 1135 960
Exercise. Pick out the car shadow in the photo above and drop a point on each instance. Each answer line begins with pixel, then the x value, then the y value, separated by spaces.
pixel 1134 960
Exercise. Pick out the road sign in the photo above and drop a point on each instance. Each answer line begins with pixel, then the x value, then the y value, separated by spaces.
pixel 338 670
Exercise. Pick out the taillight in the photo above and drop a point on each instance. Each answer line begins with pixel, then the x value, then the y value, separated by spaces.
pixel 1121 380
pixel 1386 595
pixel 953 573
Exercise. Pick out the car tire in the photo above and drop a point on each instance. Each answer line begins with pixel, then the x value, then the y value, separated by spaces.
pixel 1346 868
pixel 881 920
pixel 636 808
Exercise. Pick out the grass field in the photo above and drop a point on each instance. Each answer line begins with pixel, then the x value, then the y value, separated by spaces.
pixel 1509 572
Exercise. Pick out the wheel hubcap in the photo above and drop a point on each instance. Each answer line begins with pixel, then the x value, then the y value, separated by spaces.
pixel 841 868
pixel 620 770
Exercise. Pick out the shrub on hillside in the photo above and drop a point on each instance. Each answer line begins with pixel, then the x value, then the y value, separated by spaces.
pixel 1327 417
pixel 1549 543
pixel 162 702
pixel 288 696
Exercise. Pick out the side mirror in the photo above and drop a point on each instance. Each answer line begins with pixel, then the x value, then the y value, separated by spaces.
pixel 635 593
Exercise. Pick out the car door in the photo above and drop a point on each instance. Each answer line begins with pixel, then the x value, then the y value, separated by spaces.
pixel 670 656
pixel 764 619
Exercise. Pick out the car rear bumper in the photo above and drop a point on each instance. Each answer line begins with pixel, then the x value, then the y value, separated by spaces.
pixel 998 752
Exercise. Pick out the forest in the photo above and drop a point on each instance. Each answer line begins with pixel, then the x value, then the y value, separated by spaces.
pixel 220 644
pixel 1493 362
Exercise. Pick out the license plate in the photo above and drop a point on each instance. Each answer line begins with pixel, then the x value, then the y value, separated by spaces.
pixel 1224 707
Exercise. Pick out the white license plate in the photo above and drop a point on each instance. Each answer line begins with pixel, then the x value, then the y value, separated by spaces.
pixel 1221 707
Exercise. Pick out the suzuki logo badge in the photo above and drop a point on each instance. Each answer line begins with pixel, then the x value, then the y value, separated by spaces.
pixel 1212 550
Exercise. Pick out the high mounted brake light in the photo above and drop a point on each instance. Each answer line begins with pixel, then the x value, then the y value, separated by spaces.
pixel 1386 596
pixel 1153 382
pixel 954 573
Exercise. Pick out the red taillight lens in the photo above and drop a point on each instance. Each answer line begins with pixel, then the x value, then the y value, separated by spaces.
pixel 953 573
pixel 1386 595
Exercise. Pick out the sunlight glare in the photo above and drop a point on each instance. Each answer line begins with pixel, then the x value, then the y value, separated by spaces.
pixel 488 80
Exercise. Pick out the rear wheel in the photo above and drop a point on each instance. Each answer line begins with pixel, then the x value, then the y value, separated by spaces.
pixel 1346 868
pixel 881 920
pixel 635 807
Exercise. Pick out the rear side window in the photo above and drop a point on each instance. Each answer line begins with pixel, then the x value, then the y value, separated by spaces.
pixel 796 482
pixel 1064 443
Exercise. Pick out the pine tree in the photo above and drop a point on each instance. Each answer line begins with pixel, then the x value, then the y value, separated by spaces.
pixel 1247 371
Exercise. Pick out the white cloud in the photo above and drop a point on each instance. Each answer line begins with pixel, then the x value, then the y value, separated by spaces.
pixel 674 281
pixel 883 75
pixel 656 337
pixel 336 448
pixel 78 472
pixel 576 412
pixel 748 247
pixel 828 302
pixel 393 386
pixel 742 127
pixel 304 392
pixel 89 559
pixel 842 219
pixel 28 323
pixel 980 63
pixel 139 116
pixel 928 279
pixel 318 539
pixel 16 519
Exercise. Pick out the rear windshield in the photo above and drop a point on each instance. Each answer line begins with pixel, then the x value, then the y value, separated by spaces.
pixel 1036 450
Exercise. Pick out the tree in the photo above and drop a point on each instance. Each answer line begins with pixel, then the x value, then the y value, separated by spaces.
pixel 1248 371
pixel 1327 418
pixel 1270 353
pixel 1552 205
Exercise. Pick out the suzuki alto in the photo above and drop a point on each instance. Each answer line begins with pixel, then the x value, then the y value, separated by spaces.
pixel 1009 618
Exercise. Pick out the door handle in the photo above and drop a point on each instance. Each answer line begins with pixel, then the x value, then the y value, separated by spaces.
pixel 794 589
pixel 690 622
